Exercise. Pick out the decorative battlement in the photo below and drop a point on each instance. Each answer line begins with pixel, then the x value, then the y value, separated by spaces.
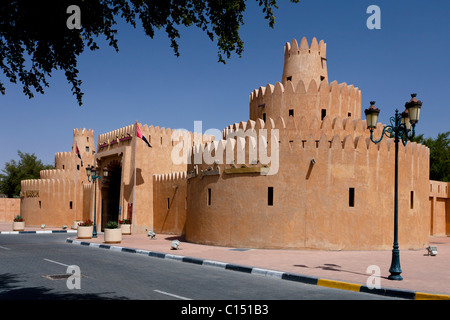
pixel 156 136
pixel 304 89
pixel 83 132
pixel 335 99
pixel 259 144
pixel 173 176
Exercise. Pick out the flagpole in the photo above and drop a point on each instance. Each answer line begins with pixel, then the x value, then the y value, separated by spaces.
pixel 75 187
pixel 133 217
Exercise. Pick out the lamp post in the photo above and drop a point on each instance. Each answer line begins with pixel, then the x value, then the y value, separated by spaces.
pixel 93 177
pixel 401 128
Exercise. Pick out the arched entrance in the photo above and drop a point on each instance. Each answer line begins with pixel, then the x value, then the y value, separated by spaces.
pixel 111 194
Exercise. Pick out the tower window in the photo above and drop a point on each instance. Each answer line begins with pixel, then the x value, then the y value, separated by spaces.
pixel 349 114
pixel 70 205
pixel 291 112
pixel 270 196
pixel 168 203
pixel 78 167
pixel 411 204
pixel 87 149
pixel 209 196
pixel 351 197
pixel 39 204
pixel 322 78
pixel 323 114
pixel 264 117
pixel 289 78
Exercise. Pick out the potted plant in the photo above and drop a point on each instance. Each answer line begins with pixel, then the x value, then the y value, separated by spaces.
pixel 113 234
pixel 85 229
pixel 19 223
pixel 125 226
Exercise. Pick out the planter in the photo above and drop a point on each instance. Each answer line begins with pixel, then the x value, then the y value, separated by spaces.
pixel 126 228
pixel 85 232
pixel 18 225
pixel 113 235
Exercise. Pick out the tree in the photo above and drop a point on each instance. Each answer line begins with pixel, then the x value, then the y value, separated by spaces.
pixel 28 167
pixel 439 155
pixel 38 32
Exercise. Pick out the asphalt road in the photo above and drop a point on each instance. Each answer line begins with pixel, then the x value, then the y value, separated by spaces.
pixel 35 267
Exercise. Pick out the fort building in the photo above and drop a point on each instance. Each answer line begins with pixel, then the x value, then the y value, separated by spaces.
pixel 301 172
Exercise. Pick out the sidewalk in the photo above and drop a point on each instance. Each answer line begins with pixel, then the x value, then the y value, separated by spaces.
pixel 421 273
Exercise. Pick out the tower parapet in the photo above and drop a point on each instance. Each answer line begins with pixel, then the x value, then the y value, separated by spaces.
pixel 305 62
pixel 304 90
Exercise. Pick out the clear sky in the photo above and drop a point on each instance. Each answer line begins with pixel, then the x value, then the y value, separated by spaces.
pixel 147 83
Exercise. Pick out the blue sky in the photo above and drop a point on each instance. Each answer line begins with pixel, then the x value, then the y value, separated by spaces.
pixel 146 82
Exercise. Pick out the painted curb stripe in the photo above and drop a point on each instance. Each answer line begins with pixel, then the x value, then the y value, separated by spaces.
pixel 239 268
pixel 338 285
pixel 38 232
pixel 404 294
pixel 428 296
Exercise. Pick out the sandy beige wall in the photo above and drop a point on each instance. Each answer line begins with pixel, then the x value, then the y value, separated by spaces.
pixel 311 206
pixel 9 208
pixel 439 208
pixel 169 203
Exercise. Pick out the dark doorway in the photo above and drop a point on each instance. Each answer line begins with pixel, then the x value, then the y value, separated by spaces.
pixel 111 196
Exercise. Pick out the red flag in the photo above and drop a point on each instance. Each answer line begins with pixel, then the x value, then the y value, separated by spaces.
pixel 140 135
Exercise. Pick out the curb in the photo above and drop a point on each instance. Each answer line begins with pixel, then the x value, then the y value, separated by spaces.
pixel 395 293
pixel 38 231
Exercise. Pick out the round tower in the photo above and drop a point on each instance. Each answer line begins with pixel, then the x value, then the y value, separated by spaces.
pixel 305 62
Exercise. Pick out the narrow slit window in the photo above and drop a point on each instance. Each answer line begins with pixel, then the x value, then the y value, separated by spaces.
pixel 264 117
pixel 168 203
pixel 161 140
pixel 351 197
pixel 209 196
pixel 291 112
pixel 411 204
pixel 270 196
pixel 70 205
pixel 323 114
pixel 78 167
pixel 39 204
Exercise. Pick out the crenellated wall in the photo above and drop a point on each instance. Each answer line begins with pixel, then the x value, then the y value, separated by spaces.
pixel 169 202
pixel 119 145
pixel 311 201
pixel 306 100
pixel 52 200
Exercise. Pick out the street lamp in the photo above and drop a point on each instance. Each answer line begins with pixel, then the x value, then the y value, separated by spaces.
pixel 93 177
pixel 401 128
